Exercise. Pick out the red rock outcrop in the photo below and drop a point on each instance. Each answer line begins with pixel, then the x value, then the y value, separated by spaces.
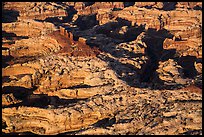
pixel 71 47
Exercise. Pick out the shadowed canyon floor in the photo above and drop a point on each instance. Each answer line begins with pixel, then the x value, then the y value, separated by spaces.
pixel 102 68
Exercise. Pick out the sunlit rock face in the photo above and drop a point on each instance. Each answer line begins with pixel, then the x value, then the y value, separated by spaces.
pixel 102 68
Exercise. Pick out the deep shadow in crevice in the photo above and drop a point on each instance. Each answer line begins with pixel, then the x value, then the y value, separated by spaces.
pixel 44 101
pixel 22 93
pixel 6 60
pixel 18 92
pixel 192 132
pixel 9 16
pixel 116 9
pixel 154 41
pixel 86 21
pixel 12 36
pixel 88 3
pixel 107 28
pixel 123 22
pixel 125 120
pixel 106 122
pixel 197 7
pixel 127 4
pixel 53 20
pixel 36 100
pixel 187 63
pixel 71 11
pixel 22 59
pixel 79 86
pixel 168 54
pixel 112 30
pixel 148 7
pixel 169 6
pixel 126 72
pixel 84 86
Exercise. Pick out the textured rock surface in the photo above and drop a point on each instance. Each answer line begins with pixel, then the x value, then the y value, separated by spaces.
pixel 36 10
pixel 103 68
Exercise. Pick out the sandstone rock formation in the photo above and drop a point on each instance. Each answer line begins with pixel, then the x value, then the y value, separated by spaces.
pixel 103 68
pixel 36 10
